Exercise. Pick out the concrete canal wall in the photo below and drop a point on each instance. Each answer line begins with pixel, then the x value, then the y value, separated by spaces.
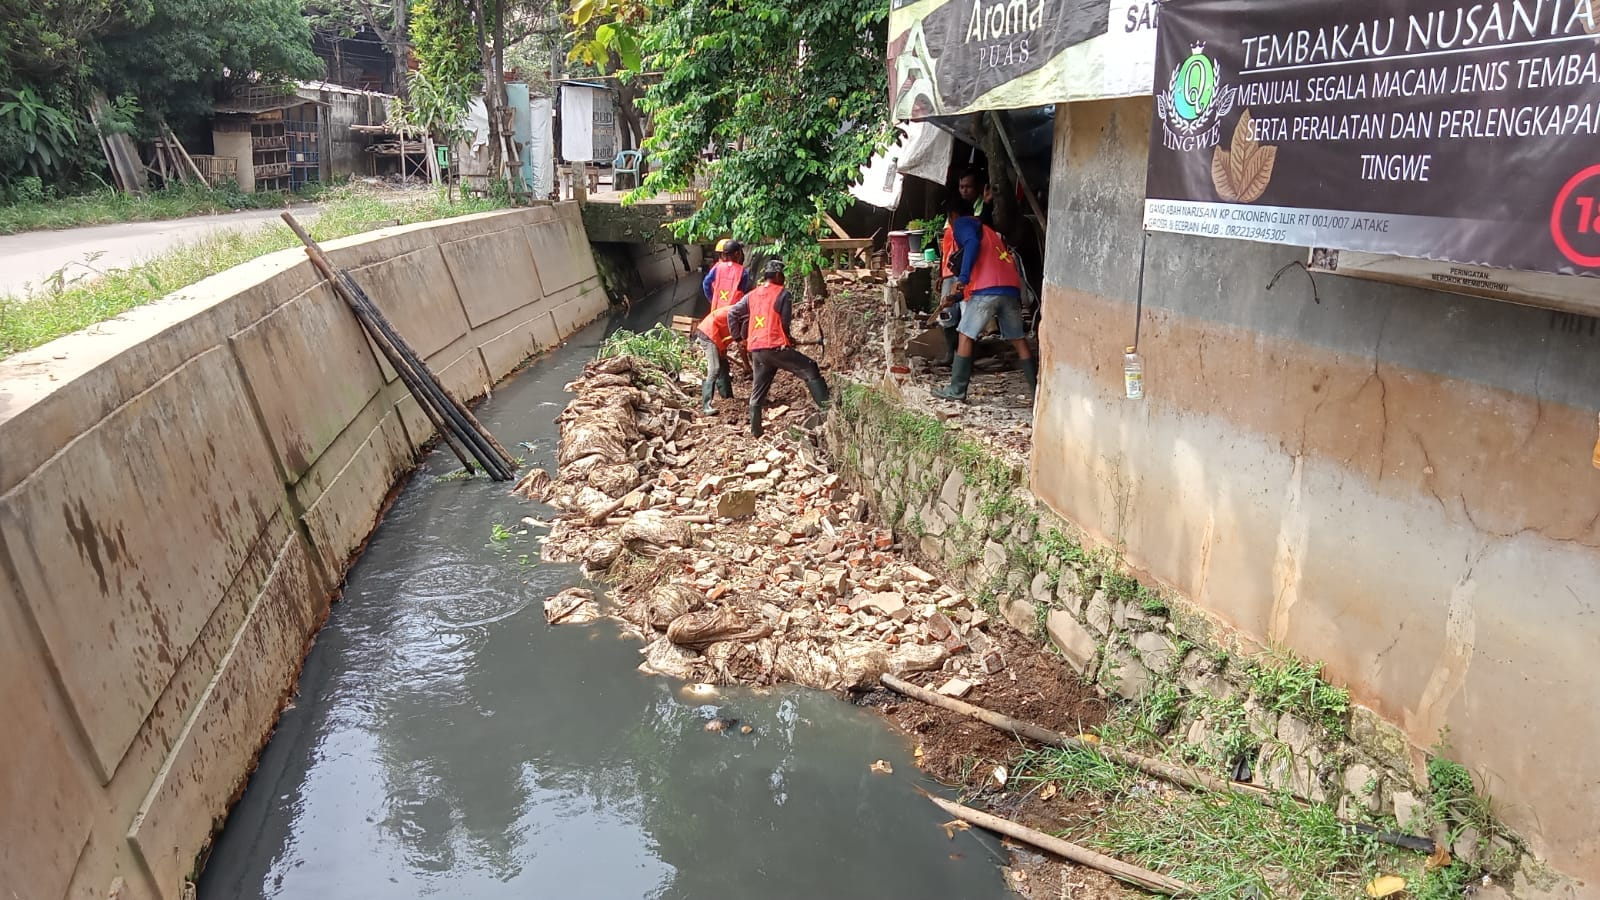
pixel 1396 482
pixel 181 490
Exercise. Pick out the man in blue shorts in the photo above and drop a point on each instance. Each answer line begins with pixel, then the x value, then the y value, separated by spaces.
pixel 992 285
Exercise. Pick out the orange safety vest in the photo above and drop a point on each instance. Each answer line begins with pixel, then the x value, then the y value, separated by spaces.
pixel 725 284
pixel 766 326
pixel 715 327
pixel 996 266
pixel 947 249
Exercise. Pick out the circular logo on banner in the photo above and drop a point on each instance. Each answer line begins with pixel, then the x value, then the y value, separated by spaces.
pixel 1575 219
pixel 1195 101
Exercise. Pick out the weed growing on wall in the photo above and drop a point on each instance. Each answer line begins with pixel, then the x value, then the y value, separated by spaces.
pixel 1285 683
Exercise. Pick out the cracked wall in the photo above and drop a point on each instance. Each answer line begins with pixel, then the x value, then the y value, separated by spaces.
pixel 1396 482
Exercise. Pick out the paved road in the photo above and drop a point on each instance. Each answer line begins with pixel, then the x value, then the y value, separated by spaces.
pixel 31 258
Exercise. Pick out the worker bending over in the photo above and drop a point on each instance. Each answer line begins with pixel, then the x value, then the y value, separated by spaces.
pixel 714 339
pixel 728 279
pixel 992 285
pixel 761 321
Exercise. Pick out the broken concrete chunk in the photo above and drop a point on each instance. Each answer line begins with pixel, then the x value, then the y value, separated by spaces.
pixel 758 468
pixel 939 626
pixel 956 687
pixel 919 575
pixel 886 603
pixel 736 504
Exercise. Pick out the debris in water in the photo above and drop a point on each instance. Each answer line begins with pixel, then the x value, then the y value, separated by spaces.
pixel 700 691
pixel 721 724
pixel 573 606
pixel 953 826
pixel 745 729
pixel 882 767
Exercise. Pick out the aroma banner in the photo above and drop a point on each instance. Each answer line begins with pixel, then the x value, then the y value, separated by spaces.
pixel 956 56
pixel 1454 131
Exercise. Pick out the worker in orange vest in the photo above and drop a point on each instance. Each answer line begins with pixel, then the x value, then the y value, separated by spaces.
pixel 992 285
pixel 713 338
pixel 728 279
pixel 761 320
pixel 949 313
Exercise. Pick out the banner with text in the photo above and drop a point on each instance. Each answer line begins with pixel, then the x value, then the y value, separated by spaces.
pixel 1455 131
pixel 956 56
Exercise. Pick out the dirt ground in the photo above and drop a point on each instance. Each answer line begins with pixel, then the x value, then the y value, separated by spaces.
pixel 963 753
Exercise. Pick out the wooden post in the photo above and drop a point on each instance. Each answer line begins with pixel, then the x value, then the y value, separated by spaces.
pixel 1083 856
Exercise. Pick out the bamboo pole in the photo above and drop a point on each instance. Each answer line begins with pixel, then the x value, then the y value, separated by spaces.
pixel 1116 868
pixel 436 407
pixel 172 142
pixel 1005 141
pixel 1186 777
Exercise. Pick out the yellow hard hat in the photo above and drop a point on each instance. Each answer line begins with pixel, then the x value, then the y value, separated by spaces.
pixel 722 246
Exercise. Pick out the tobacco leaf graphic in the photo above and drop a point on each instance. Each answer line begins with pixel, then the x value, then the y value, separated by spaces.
pixel 1220 177
pixel 1243 172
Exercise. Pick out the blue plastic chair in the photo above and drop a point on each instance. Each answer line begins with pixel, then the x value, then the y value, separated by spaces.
pixel 626 163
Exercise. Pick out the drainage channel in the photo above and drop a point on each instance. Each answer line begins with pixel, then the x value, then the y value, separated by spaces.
pixel 447 742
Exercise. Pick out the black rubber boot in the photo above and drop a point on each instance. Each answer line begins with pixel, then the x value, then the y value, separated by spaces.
pixel 960 376
pixel 1030 370
pixel 819 392
pixel 952 340
pixel 725 386
pixel 755 421
pixel 706 389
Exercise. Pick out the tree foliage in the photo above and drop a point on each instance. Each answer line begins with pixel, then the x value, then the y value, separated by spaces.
pixel 167 58
pixel 789 92
pixel 444 39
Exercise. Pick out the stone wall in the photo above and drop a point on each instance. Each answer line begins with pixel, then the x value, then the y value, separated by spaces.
pixel 181 490
pixel 1225 696
pixel 1394 482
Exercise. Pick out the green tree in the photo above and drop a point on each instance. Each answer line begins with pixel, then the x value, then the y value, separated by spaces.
pixel 789 92
pixel 189 50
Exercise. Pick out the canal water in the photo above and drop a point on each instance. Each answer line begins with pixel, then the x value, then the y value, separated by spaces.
pixel 447 743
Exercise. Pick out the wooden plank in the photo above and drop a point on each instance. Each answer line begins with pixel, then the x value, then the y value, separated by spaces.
pixel 845 243
pixel 838 230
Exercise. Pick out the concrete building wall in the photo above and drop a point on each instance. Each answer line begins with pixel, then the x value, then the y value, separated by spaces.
pixel 344 151
pixel 1394 481
pixel 180 492
pixel 236 144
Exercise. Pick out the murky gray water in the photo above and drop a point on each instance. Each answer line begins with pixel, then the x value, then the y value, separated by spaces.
pixel 446 742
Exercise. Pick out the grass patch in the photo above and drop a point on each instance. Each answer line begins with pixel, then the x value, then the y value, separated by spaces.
pixel 27 322
pixel 1229 846
pixel 109 206
pixel 660 346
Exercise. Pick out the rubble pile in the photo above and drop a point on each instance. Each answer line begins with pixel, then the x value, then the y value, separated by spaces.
pixel 738 560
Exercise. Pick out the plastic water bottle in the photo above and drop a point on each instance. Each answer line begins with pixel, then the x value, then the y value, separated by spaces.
pixel 1133 374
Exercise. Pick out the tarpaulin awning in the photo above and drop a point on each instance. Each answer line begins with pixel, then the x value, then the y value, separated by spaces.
pixel 948 57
